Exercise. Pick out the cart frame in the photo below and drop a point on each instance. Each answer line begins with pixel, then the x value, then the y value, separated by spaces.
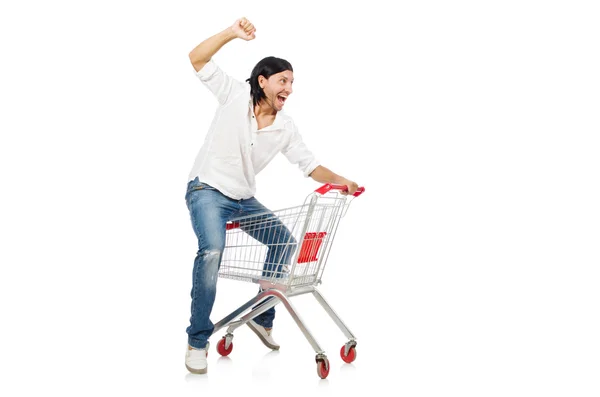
pixel 322 209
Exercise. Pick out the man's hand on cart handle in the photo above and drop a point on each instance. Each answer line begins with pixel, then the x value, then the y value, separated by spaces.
pixel 325 175
pixel 352 187
pixel 342 188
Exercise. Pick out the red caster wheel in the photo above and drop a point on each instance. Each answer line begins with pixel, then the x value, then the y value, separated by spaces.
pixel 351 354
pixel 323 368
pixel 221 347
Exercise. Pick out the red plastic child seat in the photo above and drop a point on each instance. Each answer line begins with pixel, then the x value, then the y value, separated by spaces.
pixel 310 247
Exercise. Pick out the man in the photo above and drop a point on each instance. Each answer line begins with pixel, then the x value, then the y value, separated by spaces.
pixel 248 130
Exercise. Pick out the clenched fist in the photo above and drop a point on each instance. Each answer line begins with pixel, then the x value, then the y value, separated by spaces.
pixel 244 29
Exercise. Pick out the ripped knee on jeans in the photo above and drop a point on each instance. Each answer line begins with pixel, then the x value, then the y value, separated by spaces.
pixel 210 253
pixel 210 260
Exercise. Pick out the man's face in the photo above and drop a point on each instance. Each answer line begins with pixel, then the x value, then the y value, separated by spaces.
pixel 277 88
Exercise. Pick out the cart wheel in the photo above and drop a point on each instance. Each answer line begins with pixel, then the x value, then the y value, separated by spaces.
pixel 221 347
pixel 323 368
pixel 351 354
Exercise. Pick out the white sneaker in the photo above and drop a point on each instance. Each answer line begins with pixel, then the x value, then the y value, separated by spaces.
pixel 263 334
pixel 195 359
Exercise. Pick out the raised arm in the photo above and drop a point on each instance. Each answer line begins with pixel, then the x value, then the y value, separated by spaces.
pixel 242 28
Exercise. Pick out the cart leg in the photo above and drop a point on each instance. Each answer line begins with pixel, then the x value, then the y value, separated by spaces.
pixel 288 305
pixel 278 296
pixel 336 319
pixel 228 319
pixel 254 313
pixel 321 357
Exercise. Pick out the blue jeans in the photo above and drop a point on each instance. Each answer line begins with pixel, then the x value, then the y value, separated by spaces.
pixel 210 210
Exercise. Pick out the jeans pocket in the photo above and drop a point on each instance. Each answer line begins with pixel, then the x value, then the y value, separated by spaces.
pixel 195 186
pixel 201 186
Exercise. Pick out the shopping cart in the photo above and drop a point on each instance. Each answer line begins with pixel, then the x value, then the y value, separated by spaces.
pixel 289 262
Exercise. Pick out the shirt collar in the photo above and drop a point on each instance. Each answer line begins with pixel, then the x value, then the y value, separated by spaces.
pixel 278 124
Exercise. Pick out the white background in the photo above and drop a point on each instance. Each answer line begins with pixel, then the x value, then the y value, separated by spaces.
pixel 468 268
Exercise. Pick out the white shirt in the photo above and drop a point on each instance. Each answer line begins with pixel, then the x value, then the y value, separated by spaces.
pixel 234 150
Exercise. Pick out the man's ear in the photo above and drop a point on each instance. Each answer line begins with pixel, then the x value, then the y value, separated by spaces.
pixel 262 81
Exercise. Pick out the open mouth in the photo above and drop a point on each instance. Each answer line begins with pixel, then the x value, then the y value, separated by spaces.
pixel 281 99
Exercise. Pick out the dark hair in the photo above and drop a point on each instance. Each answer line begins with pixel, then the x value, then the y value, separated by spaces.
pixel 266 67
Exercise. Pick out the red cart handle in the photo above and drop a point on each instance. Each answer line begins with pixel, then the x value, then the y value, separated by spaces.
pixel 327 187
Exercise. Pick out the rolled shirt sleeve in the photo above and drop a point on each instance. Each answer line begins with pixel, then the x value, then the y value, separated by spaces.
pixel 218 82
pixel 297 153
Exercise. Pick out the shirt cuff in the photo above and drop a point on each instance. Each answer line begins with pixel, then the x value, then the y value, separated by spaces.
pixel 311 167
pixel 207 70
